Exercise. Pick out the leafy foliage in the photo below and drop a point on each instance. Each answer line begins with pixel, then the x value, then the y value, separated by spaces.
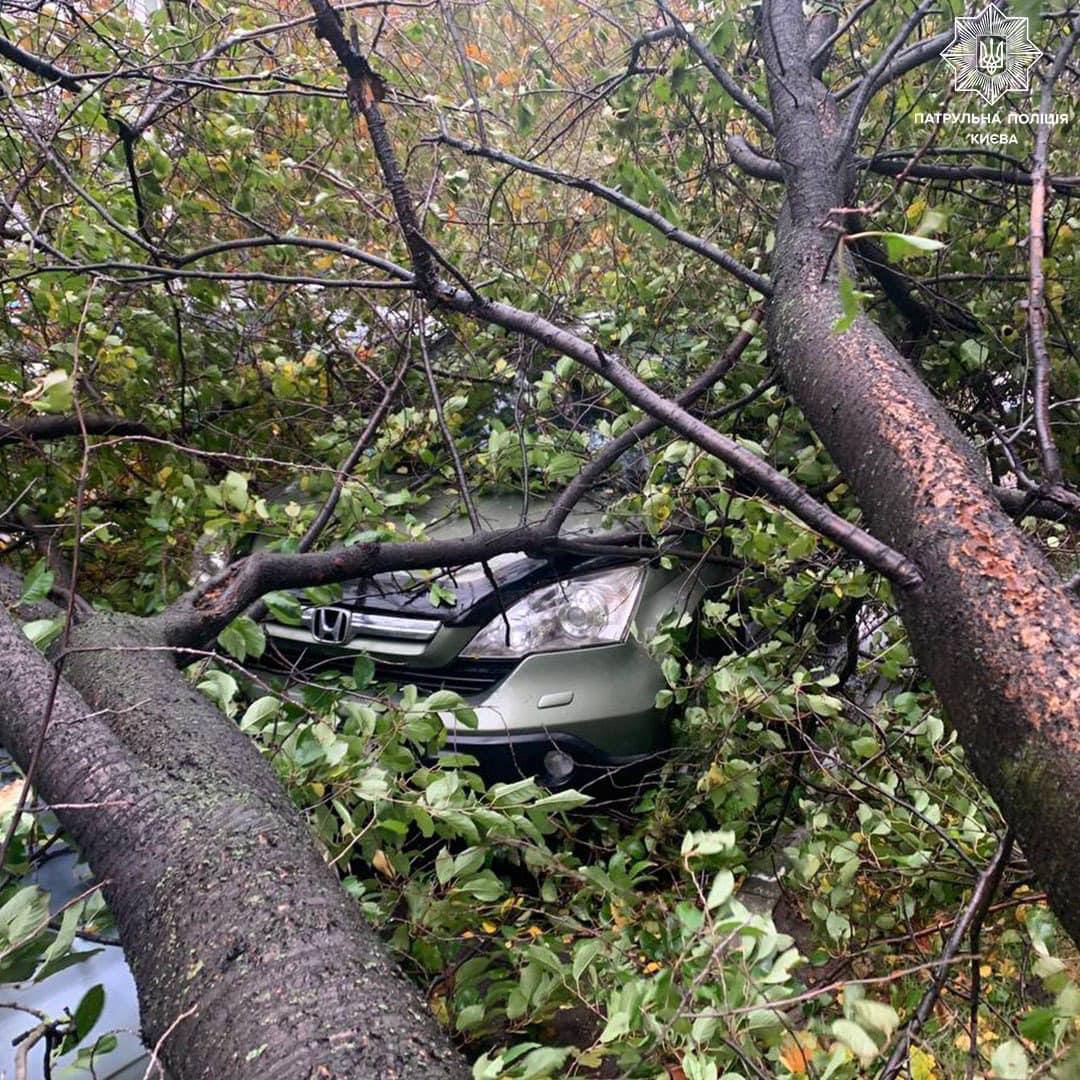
pixel 774 905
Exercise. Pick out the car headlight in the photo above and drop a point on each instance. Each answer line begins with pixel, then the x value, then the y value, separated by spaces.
pixel 592 610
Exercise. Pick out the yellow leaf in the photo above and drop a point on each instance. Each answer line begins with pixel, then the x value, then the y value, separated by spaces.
pixel 915 210
pixel 488 927
pixel 923 1064
pixel 797 1050
pixel 382 864
pixel 438 1007
pixel 9 796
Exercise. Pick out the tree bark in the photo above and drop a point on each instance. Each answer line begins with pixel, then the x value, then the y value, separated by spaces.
pixel 220 895
pixel 992 624
pixel 41 428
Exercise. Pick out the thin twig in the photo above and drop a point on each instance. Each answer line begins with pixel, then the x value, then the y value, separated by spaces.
pixel 1036 309
pixel 981 896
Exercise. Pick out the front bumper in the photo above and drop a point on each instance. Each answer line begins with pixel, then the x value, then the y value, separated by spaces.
pixel 557 759
pixel 603 695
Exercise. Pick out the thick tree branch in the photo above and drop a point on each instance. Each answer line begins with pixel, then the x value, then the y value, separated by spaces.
pixel 45 428
pixel 313 243
pixel 667 229
pixel 1018 503
pixel 898 288
pixel 992 625
pixel 754 163
pixel 751 161
pixel 717 71
pixel 366 90
pixel 146 756
pixel 634 435
pixel 921 170
pixel 875 76
pixel 36 65
pixel 779 487
pixel 918 54
pixel 199 616
pixel 651 37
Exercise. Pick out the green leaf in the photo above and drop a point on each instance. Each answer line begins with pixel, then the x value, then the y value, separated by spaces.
pixel 62 942
pixel 618 1024
pixel 865 746
pixel 363 671
pixel 546 1061
pixel 856 1040
pixel 260 711
pixel 53 393
pixel 722 887
pixel 469 1017
pixel 221 687
pixel 86 1015
pixel 781 969
pixel 243 637
pixel 1010 1061
pixel 23 915
pixel 43 632
pixel 1039 1025
pixel 440 594
pixel 284 607
pixel 485 886
pixel 63 962
pixel 89 1057
pixel 837 925
pixel 877 1015
pixel 37 583
pixel 585 952
pixel 901 245
pixel 439 701
pixel 707 843
pixel 562 800
pixel 849 302
pixel 234 490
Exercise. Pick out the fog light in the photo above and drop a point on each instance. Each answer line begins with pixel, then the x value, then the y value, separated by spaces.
pixel 558 766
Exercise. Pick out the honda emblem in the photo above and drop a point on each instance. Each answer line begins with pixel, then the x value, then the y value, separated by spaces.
pixel 332 625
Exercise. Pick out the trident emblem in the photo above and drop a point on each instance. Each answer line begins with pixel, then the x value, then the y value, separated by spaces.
pixel 991 57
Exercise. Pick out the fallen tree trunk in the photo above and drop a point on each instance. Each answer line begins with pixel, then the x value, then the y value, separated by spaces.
pixel 993 625
pixel 237 931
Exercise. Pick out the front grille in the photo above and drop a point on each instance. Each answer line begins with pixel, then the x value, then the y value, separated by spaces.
pixel 366 624
pixel 466 677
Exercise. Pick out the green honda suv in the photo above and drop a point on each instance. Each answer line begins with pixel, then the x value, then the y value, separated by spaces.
pixel 546 651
